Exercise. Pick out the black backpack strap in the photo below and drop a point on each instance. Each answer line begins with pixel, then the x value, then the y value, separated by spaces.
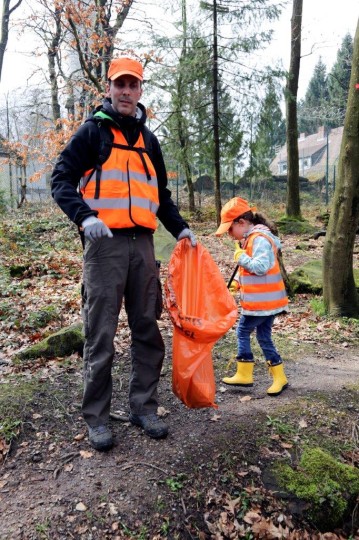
pixel 106 145
pixel 140 151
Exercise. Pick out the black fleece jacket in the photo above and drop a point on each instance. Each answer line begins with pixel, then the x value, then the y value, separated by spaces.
pixel 81 154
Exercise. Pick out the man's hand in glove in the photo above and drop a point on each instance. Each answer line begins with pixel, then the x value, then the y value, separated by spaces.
pixel 187 233
pixel 94 229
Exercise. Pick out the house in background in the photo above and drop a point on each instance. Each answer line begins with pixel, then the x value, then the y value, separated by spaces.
pixel 316 152
pixel 14 178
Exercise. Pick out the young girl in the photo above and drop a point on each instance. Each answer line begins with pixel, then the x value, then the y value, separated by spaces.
pixel 262 290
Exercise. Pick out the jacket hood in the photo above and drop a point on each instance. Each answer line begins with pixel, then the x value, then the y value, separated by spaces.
pixel 266 231
pixel 131 126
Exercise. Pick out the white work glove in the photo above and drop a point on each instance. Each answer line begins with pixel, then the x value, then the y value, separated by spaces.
pixel 187 233
pixel 94 229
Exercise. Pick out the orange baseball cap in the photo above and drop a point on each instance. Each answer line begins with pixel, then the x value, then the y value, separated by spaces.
pixel 125 66
pixel 230 211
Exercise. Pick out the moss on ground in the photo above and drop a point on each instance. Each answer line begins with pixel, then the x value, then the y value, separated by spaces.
pixel 63 343
pixel 288 225
pixel 330 487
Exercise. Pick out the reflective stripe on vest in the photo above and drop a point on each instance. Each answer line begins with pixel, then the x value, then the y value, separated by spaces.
pixel 262 293
pixel 127 196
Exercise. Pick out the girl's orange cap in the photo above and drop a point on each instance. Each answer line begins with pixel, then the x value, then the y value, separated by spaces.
pixel 230 211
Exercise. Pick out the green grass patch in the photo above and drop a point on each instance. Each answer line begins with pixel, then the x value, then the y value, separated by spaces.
pixel 15 398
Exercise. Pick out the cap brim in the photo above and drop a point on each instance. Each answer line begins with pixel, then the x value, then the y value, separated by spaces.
pixel 126 72
pixel 223 228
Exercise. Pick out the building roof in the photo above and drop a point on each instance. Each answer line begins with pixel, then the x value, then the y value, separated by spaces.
pixel 312 151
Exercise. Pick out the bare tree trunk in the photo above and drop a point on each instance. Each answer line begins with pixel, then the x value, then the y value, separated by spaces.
pixel 51 55
pixel 23 185
pixel 341 297
pixel 293 199
pixel 5 18
pixel 217 166
pixel 181 121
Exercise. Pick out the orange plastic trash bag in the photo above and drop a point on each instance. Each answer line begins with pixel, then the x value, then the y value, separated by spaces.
pixel 202 310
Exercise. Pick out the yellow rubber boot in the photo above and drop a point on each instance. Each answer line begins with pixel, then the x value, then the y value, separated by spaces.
pixel 280 381
pixel 243 376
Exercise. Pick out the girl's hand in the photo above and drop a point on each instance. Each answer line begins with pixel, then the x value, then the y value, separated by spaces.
pixel 238 251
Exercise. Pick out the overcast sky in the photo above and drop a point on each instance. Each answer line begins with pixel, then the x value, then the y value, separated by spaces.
pixel 325 23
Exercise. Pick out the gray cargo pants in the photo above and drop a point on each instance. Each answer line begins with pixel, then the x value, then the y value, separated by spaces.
pixel 114 268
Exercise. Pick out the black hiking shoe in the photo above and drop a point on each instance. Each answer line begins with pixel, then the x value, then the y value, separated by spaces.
pixel 100 438
pixel 152 424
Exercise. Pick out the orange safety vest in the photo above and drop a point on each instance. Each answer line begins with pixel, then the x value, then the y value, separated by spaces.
pixel 128 195
pixel 262 293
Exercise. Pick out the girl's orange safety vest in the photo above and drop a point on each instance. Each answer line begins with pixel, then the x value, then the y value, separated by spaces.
pixel 125 192
pixel 261 293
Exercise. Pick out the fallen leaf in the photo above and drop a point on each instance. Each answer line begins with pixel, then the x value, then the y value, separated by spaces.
pixel 286 445
pixel 215 418
pixel 79 437
pixel 80 507
pixel 255 469
pixel 86 454
pixel 113 509
pixel 245 398
pixel 252 517
pixel 68 467
pixel 36 416
pixel 162 412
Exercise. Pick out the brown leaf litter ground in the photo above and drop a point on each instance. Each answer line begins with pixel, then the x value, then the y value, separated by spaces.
pixel 211 478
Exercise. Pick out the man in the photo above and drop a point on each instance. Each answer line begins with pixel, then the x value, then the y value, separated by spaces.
pixel 116 209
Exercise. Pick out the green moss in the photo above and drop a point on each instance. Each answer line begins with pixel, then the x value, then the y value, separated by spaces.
pixel 62 343
pixel 330 487
pixel 307 278
pixel 288 225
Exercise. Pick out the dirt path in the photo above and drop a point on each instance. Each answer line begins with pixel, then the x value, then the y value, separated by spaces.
pixel 54 486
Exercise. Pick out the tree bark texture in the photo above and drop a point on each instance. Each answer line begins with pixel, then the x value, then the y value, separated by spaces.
pixel 180 118
pixel 5 18
pixel 340 295
pixel 217 166
pixel 52 53
pixel 293 199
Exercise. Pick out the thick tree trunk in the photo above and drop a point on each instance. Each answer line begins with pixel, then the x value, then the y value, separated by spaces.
pixel 340 295
pixel 217 166
pixel 293 199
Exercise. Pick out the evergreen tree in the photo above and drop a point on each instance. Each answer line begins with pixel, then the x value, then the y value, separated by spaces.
pixel 270 133
pixel 338 82
pixel 312 111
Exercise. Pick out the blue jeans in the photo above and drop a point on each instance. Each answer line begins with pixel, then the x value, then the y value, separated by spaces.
pixel 263 325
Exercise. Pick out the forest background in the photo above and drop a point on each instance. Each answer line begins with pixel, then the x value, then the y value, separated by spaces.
pixel 41 434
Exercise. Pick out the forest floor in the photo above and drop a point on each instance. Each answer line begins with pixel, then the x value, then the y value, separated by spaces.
pixel 212 477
